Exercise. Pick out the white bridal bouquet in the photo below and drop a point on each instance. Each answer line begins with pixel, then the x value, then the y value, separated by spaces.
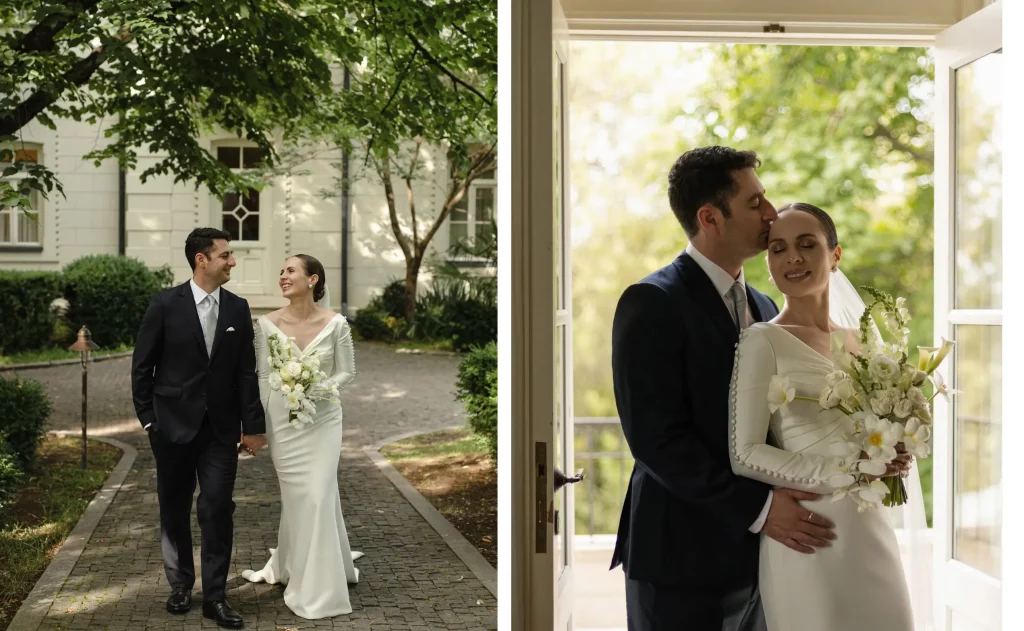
pixel 299 379
pixel 880 395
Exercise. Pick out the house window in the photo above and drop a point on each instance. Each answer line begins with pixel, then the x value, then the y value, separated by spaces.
pixel 240 214
pixel 16 227
pixel 472 218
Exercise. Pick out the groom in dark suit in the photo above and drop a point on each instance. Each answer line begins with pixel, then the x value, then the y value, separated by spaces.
pixel 688 535
pixel 195 390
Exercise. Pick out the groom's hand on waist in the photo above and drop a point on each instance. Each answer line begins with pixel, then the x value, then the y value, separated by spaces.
pixel 797 527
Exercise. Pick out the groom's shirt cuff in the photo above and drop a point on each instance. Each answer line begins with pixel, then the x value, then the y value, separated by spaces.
pixel 759 524
pixel 146 426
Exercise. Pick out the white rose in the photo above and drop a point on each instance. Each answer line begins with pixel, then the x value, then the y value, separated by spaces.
pixel 295 369
pixel 275 381
pixel 306 375
pixel 880 403
pixel 845 389
pixel 286 389
pixel 835 378
pixel 917 397
pixel 903 408
pixel 828 398
pixel 884 369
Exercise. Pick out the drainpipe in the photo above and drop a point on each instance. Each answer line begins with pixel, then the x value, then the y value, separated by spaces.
pixel 122 210
pixel 345 219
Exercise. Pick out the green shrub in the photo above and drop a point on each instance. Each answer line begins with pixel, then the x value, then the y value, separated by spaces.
pixel 371 324
pixel 109 294
pixel 24 413
pixel 28 320
pixel 10 474
pixel 394 300
pixel 164 276
pixel 477 387
pixel 471 323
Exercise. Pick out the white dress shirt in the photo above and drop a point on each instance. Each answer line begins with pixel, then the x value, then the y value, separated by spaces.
pixel 203 308
pixel 723 282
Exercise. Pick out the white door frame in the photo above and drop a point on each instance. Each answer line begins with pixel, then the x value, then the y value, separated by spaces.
pixel 957 585
pixel 539 34
pixel 531 137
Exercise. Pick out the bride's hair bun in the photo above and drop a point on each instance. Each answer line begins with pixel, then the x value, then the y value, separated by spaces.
pixel 313 266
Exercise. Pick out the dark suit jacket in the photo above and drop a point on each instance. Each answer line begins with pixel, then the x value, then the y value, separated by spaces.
pixel 175 383
pixel 686 516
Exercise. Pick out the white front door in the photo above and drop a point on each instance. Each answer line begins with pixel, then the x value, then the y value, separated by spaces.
pixel 248 219
pixel 542 320
pixel 969 272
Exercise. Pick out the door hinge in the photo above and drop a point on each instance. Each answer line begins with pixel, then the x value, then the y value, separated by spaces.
pixel 774 28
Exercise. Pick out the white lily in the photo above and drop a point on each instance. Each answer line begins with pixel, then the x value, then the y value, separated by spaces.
pixel 915 437
pixel 871 467
pixel 780 392
pixel 880 438
pixel 941 388
pixel 874 492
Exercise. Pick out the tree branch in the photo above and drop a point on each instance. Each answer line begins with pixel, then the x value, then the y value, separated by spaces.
pixel 42 35
pixel 451 75
pixel 384 171
pixel 408 192
pixel 881 131
pixel 78 75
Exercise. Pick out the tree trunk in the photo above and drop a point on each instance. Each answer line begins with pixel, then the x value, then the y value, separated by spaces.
pixel 412 274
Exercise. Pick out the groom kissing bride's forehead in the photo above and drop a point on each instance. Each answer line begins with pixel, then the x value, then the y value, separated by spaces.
pixel 713 534
pixel 690 534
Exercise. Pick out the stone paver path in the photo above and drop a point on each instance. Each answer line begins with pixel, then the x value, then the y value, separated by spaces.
pixel 409 578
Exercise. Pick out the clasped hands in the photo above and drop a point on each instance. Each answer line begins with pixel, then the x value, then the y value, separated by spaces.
pixel 253 443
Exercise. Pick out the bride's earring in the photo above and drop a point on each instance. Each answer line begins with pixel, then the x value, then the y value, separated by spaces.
pixel 311 287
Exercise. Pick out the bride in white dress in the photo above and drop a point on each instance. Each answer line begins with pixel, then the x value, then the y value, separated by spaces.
pixel 313 557
pixel 857 582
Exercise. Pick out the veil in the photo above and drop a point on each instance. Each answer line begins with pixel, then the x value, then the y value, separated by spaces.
pixel 911 525
pixel 325 300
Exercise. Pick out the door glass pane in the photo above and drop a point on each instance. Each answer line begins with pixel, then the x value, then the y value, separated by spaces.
pixel 978 200
pixel 559 226
pixel 977 504
pixel 5 226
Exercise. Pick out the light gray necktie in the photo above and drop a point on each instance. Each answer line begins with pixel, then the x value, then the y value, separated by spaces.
pixel 738 297
pixel 209 323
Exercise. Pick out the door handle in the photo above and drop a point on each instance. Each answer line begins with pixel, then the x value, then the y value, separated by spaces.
pixel 561 479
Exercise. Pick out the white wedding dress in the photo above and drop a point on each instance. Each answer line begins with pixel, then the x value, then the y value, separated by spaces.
pixel 855 583
pixel 313 557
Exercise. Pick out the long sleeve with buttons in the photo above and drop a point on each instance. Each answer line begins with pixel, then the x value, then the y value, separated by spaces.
pixel 750 421
pixel 344 356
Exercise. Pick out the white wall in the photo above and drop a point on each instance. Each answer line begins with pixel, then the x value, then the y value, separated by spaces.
pixel 83 220
pixel 161 213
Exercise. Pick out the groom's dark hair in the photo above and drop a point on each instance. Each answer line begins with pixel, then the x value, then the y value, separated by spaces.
pixel 201 240
pixel 704 176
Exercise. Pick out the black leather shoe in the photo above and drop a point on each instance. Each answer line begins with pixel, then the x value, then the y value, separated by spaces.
pixel 220 612
pixel 180 601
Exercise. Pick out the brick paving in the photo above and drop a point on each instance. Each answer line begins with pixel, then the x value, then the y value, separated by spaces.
pixel 409 578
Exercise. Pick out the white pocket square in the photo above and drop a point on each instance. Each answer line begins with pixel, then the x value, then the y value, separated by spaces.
pixel 230 329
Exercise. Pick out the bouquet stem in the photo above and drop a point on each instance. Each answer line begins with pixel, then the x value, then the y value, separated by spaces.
pixel 897 492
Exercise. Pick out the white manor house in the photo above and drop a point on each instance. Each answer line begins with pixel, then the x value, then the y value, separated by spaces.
pixel 104 210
